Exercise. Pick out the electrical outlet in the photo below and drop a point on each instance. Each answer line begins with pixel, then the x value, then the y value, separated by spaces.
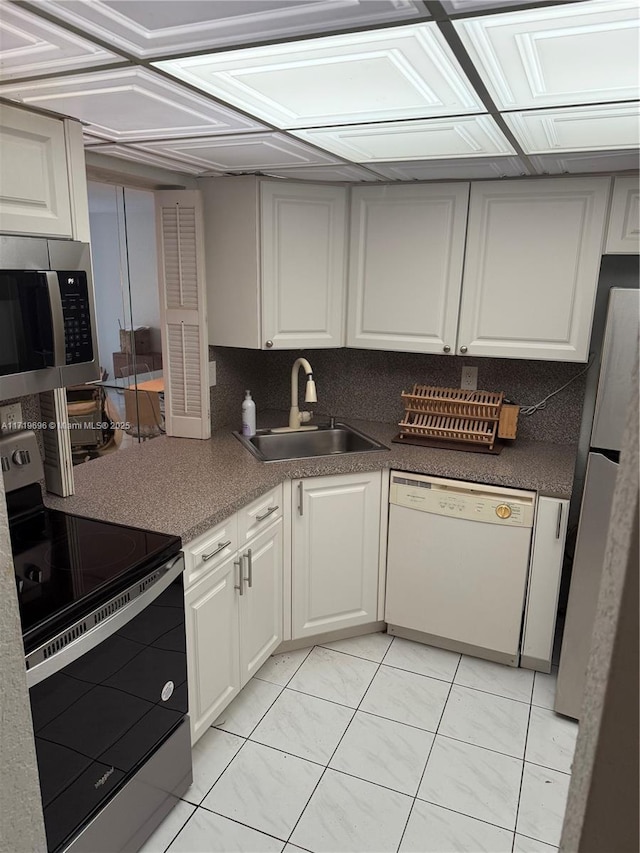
pixel 212 374
pixel 11 417
pixel 469 379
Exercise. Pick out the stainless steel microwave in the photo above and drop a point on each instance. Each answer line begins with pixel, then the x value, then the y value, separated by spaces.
pixel 47 316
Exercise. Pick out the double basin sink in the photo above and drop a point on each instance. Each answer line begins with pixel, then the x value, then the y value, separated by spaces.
pixel 331 440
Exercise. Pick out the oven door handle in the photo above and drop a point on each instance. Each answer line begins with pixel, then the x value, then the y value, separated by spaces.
pixel 57 319
pixel 88 632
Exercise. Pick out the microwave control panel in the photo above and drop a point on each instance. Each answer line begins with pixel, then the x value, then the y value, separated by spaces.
pixel 74 292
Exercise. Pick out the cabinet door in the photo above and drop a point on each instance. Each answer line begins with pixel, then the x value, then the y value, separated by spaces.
pixel 212 645
pixel 33 174
pixel 405 268
pixel 623 235
pixel 261 602
pixel 545 573
pixel 335 549
pixel 303 265
pixel 531 268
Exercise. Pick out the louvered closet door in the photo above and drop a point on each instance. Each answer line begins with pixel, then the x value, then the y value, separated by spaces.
pixel 183 313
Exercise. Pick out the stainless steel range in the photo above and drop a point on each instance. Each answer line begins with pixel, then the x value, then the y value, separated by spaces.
pixel 102 610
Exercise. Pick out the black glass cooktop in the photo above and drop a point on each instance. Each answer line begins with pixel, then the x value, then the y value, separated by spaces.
pixel 66 565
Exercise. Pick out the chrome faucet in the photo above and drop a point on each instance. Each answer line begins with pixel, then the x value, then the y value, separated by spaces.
pixel 296 417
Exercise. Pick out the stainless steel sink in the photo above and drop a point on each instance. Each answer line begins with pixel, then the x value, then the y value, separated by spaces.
pixel 271 446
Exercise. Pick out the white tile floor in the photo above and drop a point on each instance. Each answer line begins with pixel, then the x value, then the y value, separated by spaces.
pixel 373 745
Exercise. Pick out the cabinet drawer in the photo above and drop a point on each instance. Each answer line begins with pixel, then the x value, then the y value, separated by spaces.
pixel 209 550
pixel 259 515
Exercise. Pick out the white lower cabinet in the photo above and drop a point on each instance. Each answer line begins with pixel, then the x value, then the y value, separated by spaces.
pixel 335 552
pixel 261 602
pixel 545 573
pixel 213 659
pixel 233 614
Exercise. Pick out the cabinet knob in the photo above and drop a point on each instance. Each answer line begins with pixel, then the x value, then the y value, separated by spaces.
pixel 446 348
pixel 269 344
pixel 463 349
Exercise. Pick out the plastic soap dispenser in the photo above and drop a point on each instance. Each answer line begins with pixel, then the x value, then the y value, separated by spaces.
pixel 248 415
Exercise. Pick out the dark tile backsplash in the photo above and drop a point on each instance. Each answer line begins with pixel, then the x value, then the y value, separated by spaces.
pixel 366 384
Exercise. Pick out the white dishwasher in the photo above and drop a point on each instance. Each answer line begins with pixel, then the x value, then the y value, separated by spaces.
pixel 457 564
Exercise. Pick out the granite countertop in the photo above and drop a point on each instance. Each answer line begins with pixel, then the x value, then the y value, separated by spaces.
pixel 185 486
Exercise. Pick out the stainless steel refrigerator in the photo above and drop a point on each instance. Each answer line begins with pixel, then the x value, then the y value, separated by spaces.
pixel 619 352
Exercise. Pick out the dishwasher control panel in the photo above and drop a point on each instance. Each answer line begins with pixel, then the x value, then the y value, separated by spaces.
pixel 470 501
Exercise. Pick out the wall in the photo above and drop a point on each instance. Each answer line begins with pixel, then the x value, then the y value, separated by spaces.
pixel 21 822
pixel 367 384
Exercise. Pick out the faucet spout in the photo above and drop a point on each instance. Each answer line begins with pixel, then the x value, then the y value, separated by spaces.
pixel 296 417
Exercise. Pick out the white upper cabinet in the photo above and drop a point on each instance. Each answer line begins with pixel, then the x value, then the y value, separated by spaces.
pixel 276 260
pixel 623 236
pixel 303 264
pixel 405 268
pixel 34 176
pixel 531 268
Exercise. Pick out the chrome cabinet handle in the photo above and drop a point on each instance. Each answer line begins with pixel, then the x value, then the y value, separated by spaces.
pixel 269 344
pixel 446 348
pixel 559 521
pixel 240 585
pixel 300 498
pixel 221 547
pixel 249 577
pixel 270 511
pixel 463 349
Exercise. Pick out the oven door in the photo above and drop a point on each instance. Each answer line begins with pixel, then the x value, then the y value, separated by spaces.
pixel 105 698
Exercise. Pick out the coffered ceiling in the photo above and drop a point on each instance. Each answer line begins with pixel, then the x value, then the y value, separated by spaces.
pixel 340 90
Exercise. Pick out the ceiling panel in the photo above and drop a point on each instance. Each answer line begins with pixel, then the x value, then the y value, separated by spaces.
pixel 577 162
pixel 135 155
pixel 575 53
pixel 404 72
pixel 467 136
pixel 255 152
pixel 131 103
pixel 326 173
pixel 30 46
pixel 579 129
pixel 461 6
pixel 151 29
pixel 427 170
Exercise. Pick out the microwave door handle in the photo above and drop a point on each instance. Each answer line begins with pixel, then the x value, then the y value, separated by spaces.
pixel 57 318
